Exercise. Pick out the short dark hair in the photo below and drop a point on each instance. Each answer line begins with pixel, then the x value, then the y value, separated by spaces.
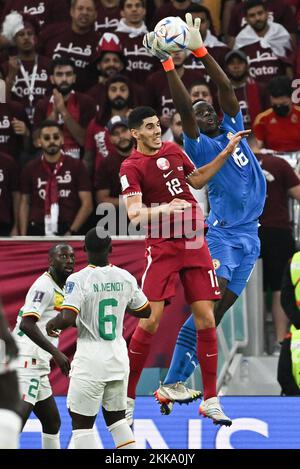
pixel 97 240
pixel 253 3
pixel 137 115
pixel 199 82
pixel 195 8
pixel 49 123
pixel 62 62
pixel 122 4
pixel 73 3
pixel 280 86
pixel 53 250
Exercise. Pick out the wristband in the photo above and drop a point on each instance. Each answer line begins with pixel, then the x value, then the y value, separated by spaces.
pixel 201 52
pixel 168 64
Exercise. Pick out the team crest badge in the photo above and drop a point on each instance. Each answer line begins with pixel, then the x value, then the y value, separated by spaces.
pixel 230 135
pixel 163 164
pixel 216 263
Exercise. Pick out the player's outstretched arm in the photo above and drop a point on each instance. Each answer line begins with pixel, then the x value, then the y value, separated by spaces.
pixel 203 175
pixel 228 101
pixel 180 96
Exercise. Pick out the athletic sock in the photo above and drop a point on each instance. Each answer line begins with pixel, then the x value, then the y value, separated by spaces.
pixel 207 351
pixel 122 435
pixel 184 359
pixel 85 439
pixel 138 351
pixel 50 441
pixel 10 427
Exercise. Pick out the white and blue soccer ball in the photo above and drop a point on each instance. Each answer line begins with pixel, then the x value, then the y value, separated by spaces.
pixel 172 34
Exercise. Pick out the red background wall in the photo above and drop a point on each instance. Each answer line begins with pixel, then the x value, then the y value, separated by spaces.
pixel 22 262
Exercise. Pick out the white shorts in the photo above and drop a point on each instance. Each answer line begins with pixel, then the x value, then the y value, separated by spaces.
pixel 34 385
pixel 85 397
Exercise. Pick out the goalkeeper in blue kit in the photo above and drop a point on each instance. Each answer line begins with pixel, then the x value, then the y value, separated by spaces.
pixel 236 196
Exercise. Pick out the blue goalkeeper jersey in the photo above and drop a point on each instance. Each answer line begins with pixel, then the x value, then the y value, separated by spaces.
pixel 237 192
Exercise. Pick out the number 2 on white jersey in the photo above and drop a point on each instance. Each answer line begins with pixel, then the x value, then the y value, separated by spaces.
pixel 174 186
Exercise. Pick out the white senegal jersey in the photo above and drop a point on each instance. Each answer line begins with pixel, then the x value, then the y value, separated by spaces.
pixel 99 296
pixel 43 301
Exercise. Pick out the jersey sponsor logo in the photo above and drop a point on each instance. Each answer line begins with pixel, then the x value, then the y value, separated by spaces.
pixel 167 174
pixel 38 296
pixel 69 287
pixel 216 263
pixel 124 182
pixel 163 164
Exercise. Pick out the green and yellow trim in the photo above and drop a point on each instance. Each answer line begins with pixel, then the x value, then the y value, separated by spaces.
pixel 141 308
pixel 36 315
pixel 71 308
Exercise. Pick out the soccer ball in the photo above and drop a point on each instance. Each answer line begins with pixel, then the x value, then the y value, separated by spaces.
pixel 172 34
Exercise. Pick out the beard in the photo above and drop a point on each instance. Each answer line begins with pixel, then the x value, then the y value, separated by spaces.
pixel 119 103
pixel 237 77
pixel 127 148
pixel 51 151
pixel 64 89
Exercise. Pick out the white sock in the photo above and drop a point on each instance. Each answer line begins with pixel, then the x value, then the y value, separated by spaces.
pixel 10 427
pixel 85 439
pixel 50 441
pixel 122 435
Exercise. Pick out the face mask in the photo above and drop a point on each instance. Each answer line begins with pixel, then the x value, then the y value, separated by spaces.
pixel 281 110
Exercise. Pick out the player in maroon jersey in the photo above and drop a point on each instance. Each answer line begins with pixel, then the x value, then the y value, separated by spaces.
pixel 159 173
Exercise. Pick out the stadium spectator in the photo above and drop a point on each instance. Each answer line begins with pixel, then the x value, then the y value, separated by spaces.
pixel 10 420
pixel 108 15
pixel 278 11
pixel 157 92
pixel 107 180
pixel 131 30
pixel 26 72
pixel 172 8
pixel 278 128
pixel 100 366
pixel 76 40
pixel 200 91
pixel 55 189
pixel 246 89
pixel 72 110
pixel 110 62
pixel 288 372
pixel 44 11
pixel 275 232
pixel 266 44
pixel 9 196
pixel 14 129
pixel 44 297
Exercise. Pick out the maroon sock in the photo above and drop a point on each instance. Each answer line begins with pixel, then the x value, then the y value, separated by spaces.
pixel 138 350
pixel 207 353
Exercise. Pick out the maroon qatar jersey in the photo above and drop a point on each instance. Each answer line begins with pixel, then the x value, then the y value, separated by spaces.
pixel 11 143
pixel 61 41
pixel 159 179
pixel 107 177
pixel 158 93
pixel 79 106
pixel 98 142
pixel 140 63
pixel 9 183
pixel 71 179
pixel 263 63
pixel 41 85
pixel 107 19
pixel 249 98
pixel 280 178
pixel 45 11
pixel 279 12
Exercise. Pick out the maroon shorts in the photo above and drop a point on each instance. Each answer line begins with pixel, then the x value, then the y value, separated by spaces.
pixel 170 259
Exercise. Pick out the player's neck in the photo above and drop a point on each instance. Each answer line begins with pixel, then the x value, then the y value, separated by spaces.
pixel 145 150
pixel 98 261
pixel 57 278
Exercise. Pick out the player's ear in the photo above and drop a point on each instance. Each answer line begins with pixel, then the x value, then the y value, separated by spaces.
pixel 134 133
